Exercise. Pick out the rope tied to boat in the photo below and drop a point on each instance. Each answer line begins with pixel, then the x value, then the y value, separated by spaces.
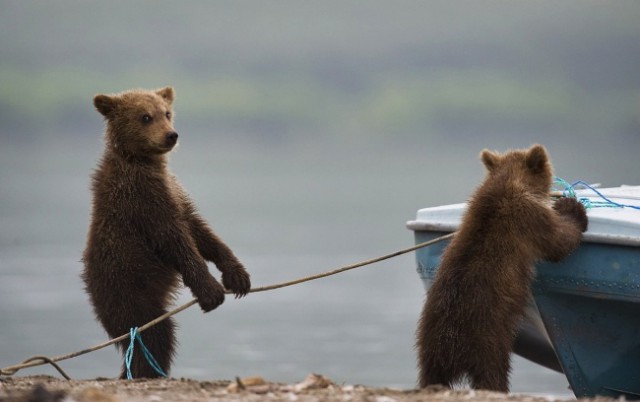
pixel 135 332
pixel 568 190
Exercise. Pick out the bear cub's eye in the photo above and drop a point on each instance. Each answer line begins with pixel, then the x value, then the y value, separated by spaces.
pixel 146 119
pixel 168 114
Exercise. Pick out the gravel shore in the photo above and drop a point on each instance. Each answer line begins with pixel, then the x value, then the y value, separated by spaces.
pixel 314 387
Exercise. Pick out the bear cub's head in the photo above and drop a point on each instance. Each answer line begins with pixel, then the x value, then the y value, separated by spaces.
pixel 139 122
pixel 528 167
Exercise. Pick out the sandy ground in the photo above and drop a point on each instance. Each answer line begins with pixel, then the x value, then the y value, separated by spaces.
pixel 313 388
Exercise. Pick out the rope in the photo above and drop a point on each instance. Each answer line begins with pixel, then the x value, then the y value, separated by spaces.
pixel 587 202
pixel 128 356
pixel 41 360
pixel 568 191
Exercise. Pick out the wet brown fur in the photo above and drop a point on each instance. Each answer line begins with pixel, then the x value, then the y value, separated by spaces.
pixel 475 304
pixel 145 233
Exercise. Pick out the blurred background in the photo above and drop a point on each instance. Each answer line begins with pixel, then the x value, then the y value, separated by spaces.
pixel 310 132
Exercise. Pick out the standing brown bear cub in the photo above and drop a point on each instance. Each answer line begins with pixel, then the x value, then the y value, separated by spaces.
pixel 473 309
pixel 145 234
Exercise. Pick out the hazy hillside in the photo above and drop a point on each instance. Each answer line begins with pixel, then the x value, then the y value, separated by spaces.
pixel 286 70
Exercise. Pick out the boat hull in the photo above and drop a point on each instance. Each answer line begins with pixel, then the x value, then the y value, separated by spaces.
pixel 590 306
pixel 584 320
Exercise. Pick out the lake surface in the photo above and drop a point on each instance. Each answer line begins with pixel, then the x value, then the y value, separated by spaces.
pixel 287 213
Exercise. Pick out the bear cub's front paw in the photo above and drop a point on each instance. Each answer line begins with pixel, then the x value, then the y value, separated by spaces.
pixel 572 207
pixel 211 297
pixel 237 280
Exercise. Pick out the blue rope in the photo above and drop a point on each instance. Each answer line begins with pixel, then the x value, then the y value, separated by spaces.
pixel 128 356
pixel 568 191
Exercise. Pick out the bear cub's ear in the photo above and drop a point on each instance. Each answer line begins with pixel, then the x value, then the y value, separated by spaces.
pixel 537 158
pixel 490 159
pixel 167 94
pixel 105 104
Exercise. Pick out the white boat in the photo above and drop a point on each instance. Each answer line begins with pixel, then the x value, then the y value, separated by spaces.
pixel 584 318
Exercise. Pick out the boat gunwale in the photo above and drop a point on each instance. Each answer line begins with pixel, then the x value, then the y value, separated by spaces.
pixel 622 240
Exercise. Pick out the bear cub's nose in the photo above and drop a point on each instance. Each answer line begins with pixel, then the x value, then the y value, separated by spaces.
pixel 171 138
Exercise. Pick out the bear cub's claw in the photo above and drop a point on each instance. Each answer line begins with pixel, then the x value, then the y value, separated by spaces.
pixel 237 280
pixel 211 298
pixel 572 207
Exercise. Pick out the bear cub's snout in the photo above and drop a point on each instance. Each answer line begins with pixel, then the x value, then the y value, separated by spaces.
pixel 171 138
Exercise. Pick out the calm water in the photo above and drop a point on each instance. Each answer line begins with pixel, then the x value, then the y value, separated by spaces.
pixel 287 214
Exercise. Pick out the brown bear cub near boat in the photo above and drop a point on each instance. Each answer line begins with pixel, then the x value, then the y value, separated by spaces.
pixel 475 304
pixel 145 234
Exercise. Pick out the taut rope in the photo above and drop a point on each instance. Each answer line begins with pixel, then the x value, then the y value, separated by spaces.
pixel 41 360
